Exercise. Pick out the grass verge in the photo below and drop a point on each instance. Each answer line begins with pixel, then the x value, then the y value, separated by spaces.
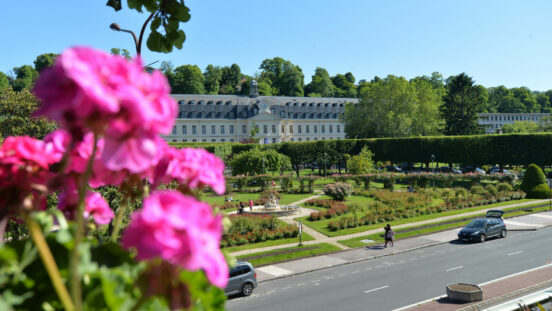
pixel 322 225
pixel 289 253
pixel 305 237
pixel 439 226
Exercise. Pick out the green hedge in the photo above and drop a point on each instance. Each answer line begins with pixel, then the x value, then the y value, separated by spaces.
pixel 503 149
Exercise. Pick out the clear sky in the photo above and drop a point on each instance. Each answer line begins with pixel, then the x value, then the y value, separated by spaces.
pixel 497 42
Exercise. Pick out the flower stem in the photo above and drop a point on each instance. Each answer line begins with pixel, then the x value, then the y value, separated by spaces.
pixel 49 263
pixel 119 219
pixel 76 287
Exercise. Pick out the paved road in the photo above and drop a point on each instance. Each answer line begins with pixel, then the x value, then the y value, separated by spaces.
pixel 394 281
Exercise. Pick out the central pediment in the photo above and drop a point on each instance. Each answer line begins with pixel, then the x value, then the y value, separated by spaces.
pixel 263 116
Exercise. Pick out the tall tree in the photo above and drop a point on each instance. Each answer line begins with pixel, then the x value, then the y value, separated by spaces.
pixel 16 109
pixel 543 101
pixel 321 84
pixel 525 96
pixel 121 52
pixel 286 78
pixel 350 78
pixel 230 79
pixel 394 107
pixel 187 79
pixel 213 76
pixel 25 77
pixel 463 101
pixel 4 81
pixel 43 61
pixel 343 88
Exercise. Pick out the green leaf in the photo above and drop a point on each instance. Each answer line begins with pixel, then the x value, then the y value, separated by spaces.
pixel 154 41
pixel 155 23
pixel 179 41
pixel 7 254
pixel 135 4
pixel 115 4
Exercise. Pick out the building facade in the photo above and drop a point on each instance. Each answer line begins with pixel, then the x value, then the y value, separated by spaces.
pixel 493 122
pixel 230 118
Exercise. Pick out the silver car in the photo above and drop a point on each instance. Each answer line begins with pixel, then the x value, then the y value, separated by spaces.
pixel 243 279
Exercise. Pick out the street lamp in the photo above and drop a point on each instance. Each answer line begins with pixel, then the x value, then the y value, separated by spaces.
pixel 432 160
pixel 325 155
pixel 116 27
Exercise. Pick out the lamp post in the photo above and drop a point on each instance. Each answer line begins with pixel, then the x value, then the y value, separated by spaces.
pixel 325 155
pixel 433 177
pixel 137 41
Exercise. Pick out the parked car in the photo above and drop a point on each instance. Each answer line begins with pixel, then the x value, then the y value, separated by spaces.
pixel 480 171
pixel 242 280
pixel 393 168
pixel 483 228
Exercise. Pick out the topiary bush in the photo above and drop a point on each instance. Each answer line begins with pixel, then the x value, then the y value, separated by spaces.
pixel 534 183
pixel 338 191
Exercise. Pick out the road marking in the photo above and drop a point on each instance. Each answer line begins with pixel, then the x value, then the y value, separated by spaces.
pixel 315 281
pixel 515 223
pixel 515 253
pixel 273 270
pixel 375 289
pixel 455 268
pixel 543 216
pixel 482 284
pixel 301 284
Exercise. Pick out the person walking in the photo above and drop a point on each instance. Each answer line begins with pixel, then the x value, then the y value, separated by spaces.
pixel 250 205
pixel 389 235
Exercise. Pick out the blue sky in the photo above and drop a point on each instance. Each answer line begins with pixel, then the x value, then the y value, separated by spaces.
pixel 497 42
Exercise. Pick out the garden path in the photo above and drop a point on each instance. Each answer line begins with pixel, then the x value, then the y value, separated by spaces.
pixel 320 238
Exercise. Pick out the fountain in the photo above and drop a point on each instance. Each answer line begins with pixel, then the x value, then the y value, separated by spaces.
pixel 273 207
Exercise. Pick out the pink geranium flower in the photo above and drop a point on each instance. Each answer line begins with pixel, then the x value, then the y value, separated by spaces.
pixel 182 231
pixel 97 207
pixel 194 167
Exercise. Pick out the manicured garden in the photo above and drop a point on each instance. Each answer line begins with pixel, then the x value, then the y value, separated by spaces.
pixel 284 254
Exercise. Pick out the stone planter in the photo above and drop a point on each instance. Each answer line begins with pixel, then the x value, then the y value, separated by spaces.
pixel 464 292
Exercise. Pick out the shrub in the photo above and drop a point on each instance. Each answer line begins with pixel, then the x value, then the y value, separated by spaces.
pixel 491 189
pixel 338 191
pixel 267 193
pixel 534 183
pixel 286 184
pixel 504 187
pixel 477 190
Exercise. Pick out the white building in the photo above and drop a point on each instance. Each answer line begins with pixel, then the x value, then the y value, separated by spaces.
pixel 493 122
pixel 230 118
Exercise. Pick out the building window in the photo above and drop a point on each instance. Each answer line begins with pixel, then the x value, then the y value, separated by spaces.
pixel 273 140
pixel 283 129
pixel 204 130
pixel 213 140
pixel 315 128
pixel 184 140
pixel 204 140
pixel 194 140
pixel 174 140
pixel 184 131
pixel 299 139
pixel 231 140
pixel 265 129
pixel 273 129
pixel 307 128
pixel 330 128
pixel 222 140
pixel 339 128
pixel 213 129
pixel 244 129
pixel 291 129
pixel 299 129
pixel 323 128
pixel 222 129
pixel 194 129
pixel 231 129
pixel 315 138
pixel 307 139
pixel 174 130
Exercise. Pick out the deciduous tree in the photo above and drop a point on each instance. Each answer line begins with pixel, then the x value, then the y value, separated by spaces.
pixel 463 101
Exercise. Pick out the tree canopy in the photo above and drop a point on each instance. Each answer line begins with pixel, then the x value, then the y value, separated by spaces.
pixel 285 78
pixel 463 101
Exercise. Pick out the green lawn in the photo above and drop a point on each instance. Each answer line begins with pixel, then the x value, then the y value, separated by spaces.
pixel 305 237
pixel 422 229
pixel 322 225
pixel 237 196
pixel 280 254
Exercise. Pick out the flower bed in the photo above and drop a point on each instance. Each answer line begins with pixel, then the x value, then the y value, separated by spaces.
pixel 256 228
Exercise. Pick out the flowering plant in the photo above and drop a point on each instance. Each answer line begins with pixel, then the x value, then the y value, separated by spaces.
pixel 110 114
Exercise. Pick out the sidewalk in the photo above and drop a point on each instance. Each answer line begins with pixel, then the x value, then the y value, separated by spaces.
pixel 320 238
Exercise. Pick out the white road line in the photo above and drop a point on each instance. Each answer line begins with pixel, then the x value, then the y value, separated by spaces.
pixel 455 268
pixel 521 224
pixel 515 253
pixel 543 216
pixel 482 284
pixel 375 289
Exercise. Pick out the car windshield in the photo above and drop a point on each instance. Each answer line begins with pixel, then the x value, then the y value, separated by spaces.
pixel 478 223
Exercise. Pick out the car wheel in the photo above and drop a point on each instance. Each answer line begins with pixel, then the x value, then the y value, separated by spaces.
pixel 482 238
pixel 247 289
pixel 503 233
